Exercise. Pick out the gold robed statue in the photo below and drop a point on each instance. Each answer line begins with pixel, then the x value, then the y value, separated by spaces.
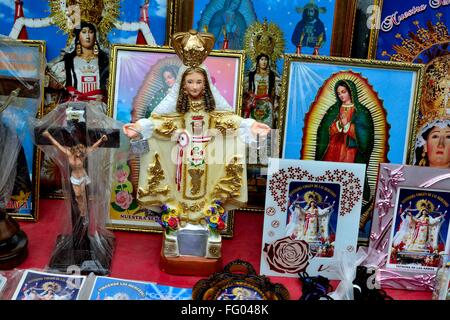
pixel 194 171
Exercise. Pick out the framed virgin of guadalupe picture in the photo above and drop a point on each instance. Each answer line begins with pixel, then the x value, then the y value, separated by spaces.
pixel 140 79
pixel 344 110
pixel 309 26
pixel 21 65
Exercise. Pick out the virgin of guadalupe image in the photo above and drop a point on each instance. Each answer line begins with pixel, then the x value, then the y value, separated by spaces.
pixel 159 79
pixel 309 221
pixel 227 20
pixel 417 238
pixel 341 127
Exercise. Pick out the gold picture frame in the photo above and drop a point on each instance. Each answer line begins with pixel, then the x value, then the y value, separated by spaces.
pixel 307 89
pixel 135 88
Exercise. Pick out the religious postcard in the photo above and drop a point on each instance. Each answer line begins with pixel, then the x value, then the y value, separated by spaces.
pixel 48 286
pixel 410 230
pixel 420 229
pixel 311 216
pixel 106 288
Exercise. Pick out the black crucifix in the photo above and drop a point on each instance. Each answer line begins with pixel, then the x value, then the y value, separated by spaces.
pixel 76 141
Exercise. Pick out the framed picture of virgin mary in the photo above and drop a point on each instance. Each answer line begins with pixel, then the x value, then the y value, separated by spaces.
pixel 140 79
pixel 344 110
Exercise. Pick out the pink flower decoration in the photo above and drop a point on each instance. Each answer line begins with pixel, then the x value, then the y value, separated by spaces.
pixel 124 199
pixel 121 176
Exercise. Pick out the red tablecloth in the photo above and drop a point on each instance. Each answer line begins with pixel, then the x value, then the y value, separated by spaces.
pixel 136 255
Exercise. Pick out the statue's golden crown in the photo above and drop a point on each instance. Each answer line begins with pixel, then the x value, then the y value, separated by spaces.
pixel 193 47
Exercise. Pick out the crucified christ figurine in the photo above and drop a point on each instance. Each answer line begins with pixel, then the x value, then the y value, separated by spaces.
pixel 78 176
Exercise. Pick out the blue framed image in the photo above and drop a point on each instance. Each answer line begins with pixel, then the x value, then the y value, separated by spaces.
pixel 344 110
pixel 312 23
pixel 402 33
pixel 105 288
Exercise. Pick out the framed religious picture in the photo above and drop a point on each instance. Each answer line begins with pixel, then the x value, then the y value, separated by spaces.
pixel 417 31
pixel 140 79
pixel 309 26
pixel 410 229
pixel 21 66
pixel 344 110
pixel 311 216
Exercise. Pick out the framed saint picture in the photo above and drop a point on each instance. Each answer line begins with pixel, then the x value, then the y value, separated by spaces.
pixel 311 216
pixel 21 65
pixel 410 229
pixel 417 31
pixel 344 110
pixel 140 78
pixel 308 25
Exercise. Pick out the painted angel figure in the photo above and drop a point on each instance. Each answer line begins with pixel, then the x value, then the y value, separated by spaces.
pixel 310 222
pixel 419 231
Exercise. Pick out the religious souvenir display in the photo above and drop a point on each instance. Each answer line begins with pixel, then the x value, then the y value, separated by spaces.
pixel 410 229
pixel 238 281
pixel 344 110
pixel 416 31
pixel 20 98
pixel 36 285
pixel 195 169
pixel 141 77
pixel 106 288
pixel 311 217
pixel 22 64
pixel 79 139
pixel 309 26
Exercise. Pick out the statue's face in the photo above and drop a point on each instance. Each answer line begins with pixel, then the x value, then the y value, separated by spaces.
pixel 438 147
pixel 343 94
pixel 263 63
pixel 194 83
pixel 169 78
pixel 87 38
